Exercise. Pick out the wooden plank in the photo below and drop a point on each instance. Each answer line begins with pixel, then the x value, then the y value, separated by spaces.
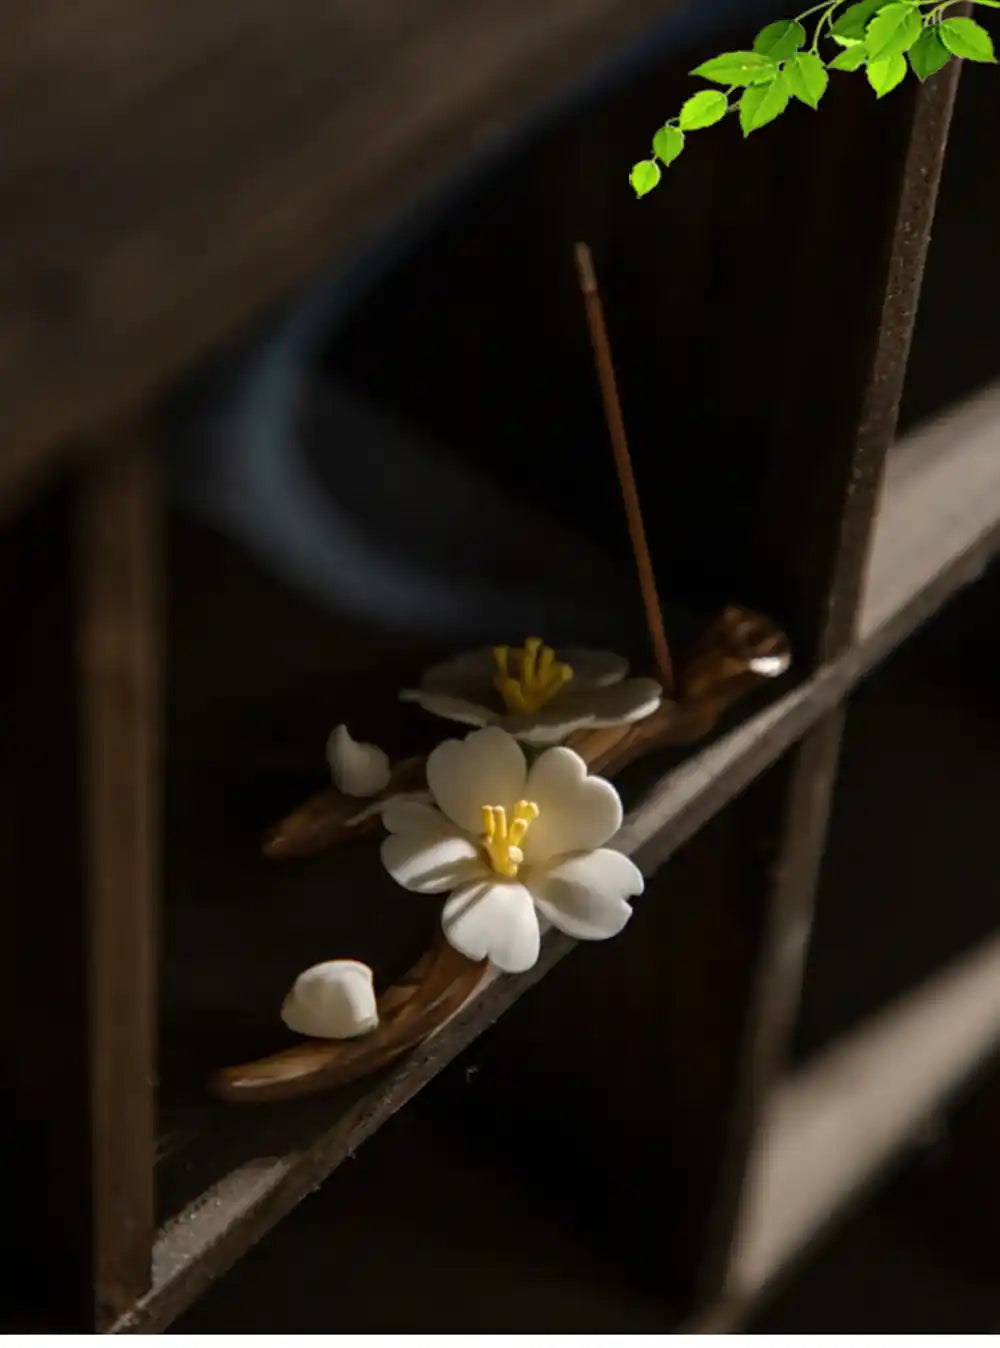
pixel 774 995
pixel 191 162
pixel 76 858
pixel 197 1246
pixel 835 1124
pixel 117 535
pixel 900 293
pixel 938 514
pixel 44 1026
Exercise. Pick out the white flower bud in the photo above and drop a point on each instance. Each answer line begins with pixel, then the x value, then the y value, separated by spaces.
pixel 333 1000
pixel 358 769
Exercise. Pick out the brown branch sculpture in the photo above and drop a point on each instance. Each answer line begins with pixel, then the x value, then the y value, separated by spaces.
pixel 739 651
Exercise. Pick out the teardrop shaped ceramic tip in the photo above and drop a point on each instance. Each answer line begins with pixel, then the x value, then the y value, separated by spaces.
pixel 358 769
pixel 333 1000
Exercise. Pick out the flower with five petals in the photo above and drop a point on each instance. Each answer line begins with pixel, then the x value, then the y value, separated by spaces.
pixel 511 845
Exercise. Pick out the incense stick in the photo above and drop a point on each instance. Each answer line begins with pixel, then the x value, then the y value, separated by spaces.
pixel 623 463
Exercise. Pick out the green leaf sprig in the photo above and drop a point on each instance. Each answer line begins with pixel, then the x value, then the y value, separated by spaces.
pixel 883 37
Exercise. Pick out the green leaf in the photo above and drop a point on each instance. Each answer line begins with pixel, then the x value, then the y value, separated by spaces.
pixel 703 109
pixel 965 37
pixel 761 103
pixel 737 67
pixel 806 77
pixel 928 54
pixel 883 76
pixel 644 177
pixel 668 143
pixel 852 41
pixel 893 31
pixel 853 21
pixel 780 40
pixel 851 59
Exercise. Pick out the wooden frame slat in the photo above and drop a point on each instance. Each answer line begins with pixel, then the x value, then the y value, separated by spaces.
pixel 834 1125
pixel 118 528
pixel 161 218
pixel 79 863
pixel 921 178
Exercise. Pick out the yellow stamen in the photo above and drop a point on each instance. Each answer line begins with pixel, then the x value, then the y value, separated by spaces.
pixel 502 841
pixel 531 678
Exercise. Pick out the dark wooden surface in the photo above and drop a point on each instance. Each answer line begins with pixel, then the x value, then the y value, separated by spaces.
pixel 120 658
pixel 465 1244
pixel 78 862
pixel 773 997
pixel 887 363
pixel 46 1121
pixel 906 864
pixel 190 162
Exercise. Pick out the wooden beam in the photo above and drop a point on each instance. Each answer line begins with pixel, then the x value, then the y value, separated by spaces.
pixel 191 162
pixel 118 529
pixel 834 1125
pixel 774 995
pixel 79 868
pixel 900 294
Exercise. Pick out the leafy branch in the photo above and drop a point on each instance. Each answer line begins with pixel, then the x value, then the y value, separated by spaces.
pixel 878 36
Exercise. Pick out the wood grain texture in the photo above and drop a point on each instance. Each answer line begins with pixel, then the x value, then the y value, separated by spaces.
pixel 117 537
pixel 907 257
pixel 190 162
pixel 774 995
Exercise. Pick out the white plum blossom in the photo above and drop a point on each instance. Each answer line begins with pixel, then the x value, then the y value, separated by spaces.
pixel 538 695
pixel 511 845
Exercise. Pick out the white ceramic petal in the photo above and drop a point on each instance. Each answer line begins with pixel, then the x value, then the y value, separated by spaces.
pixel 380 806
pixel 415 815
pixel 334 1000
pixel 425 852
pixel 552 725
pixel 476 666
pixel 451 708
pixel 625 702
pixel 576 813
pixel 594 669
pixel 486 768
pixel 585 895
pixel 358 769
pixel 494 920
